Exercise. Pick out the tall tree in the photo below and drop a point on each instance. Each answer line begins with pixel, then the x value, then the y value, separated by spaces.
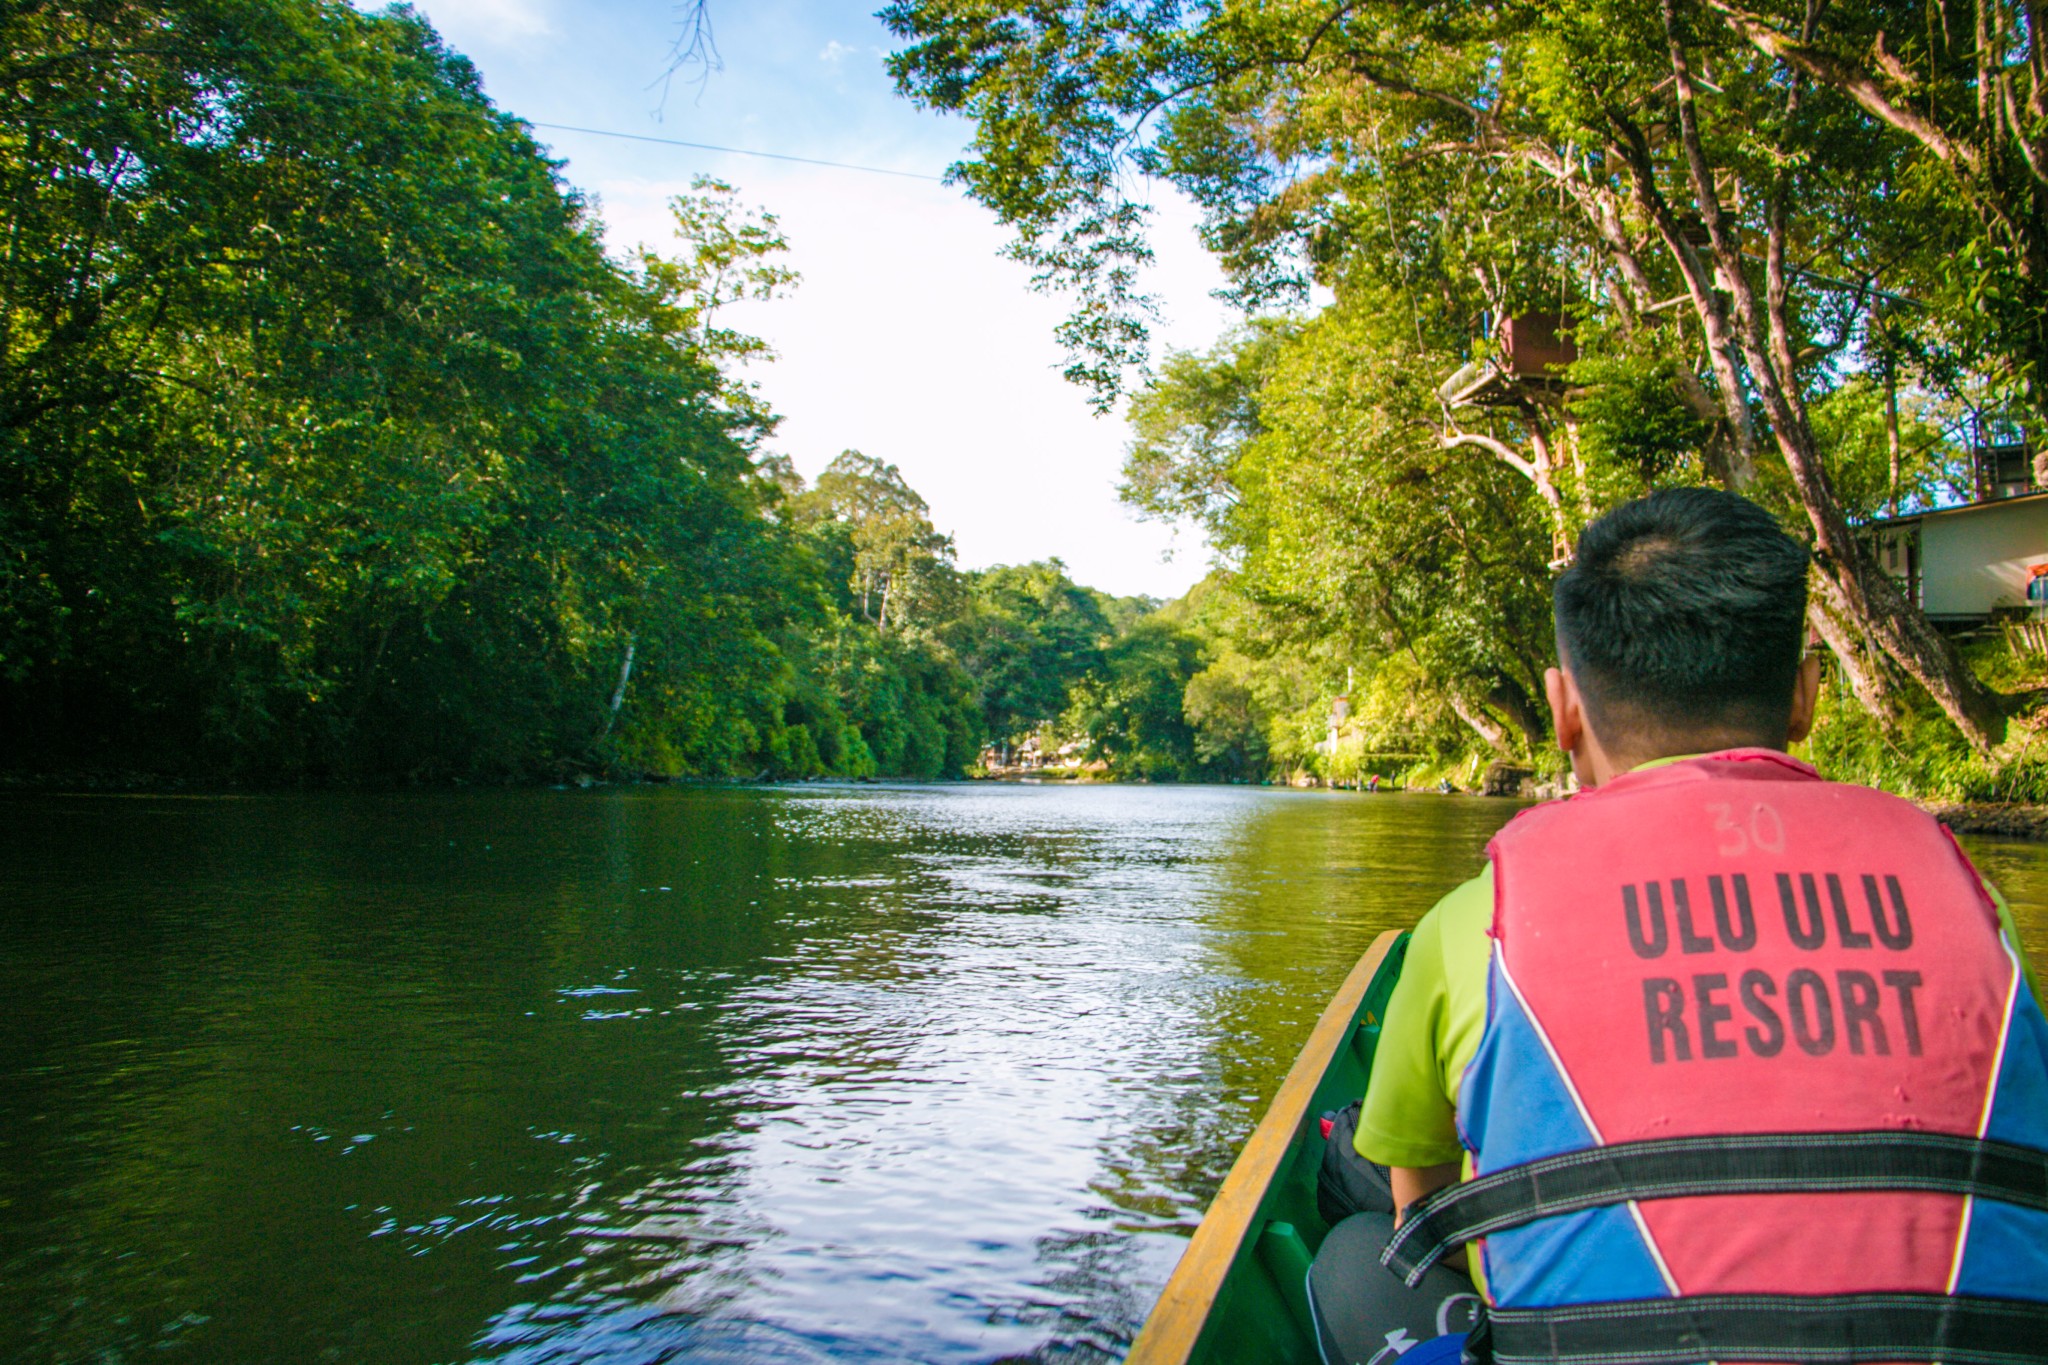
pixel 730 255
pixel 1030 634
pixel 331 443
pixel 1965 87
pixel 901 563
pixel 1324 480
pixel 1637 165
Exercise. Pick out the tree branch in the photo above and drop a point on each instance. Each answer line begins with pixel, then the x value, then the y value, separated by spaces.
pixel 1500 450
pixel 1632 149
pixel 1832 71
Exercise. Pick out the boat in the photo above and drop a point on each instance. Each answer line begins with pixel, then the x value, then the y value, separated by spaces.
pixel 1240 1292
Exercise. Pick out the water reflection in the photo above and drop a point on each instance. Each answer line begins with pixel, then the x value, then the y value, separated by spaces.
pixel 937 1074
pixel 2020 871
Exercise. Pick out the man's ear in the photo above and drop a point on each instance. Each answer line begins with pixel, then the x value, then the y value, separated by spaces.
pixel 1805 699
pixel 1567 714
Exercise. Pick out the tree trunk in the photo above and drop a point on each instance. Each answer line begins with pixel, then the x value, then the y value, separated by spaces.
pixel 1561 539
pixel 611 715
pixel 1537 471
pixel 1511 699
pixel 368 689
pixel 1483 725
pixel 1870 599
pixel 1866 668
pixel 1891 435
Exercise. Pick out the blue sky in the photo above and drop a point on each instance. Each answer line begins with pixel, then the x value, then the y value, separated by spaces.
pixel 910 338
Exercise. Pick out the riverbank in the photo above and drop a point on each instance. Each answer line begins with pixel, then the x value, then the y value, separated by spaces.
pixel 2000 820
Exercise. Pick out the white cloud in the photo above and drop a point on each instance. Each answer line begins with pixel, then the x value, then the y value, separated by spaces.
pixel 834 50
pixel 911 339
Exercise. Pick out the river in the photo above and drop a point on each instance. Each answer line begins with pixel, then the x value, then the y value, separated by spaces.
pixel 936 1074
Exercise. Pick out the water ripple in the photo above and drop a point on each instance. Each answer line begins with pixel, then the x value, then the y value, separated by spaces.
pixel 939 1074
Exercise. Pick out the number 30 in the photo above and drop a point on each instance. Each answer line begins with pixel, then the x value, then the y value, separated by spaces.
pixel 1765 830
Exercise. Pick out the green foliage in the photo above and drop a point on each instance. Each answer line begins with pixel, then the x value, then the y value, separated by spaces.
pixel 901 566
pixel 333 442
pixel 1222 706
pixel 1189 425
pixel 1635 430
pixel 1752 221
pixel 1923 757
pixel 1747 219
pixel 1134 712
pixel 1400 725
pixel 1029 635
pixel 731 255
pixel 914 703
pixel 1852 427
pixel 1356 533
pixel 332 446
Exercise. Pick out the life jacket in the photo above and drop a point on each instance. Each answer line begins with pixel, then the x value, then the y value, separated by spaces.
pixel 1761 1080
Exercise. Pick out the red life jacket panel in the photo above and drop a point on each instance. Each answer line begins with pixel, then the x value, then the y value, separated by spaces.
pixel 1730 945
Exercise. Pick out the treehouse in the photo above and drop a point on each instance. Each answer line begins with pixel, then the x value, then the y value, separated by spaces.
pixel 1528 364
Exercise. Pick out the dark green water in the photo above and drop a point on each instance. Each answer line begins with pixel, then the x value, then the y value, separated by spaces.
pixel 875 1074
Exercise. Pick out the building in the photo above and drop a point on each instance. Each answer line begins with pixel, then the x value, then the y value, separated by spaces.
pixel 1962 564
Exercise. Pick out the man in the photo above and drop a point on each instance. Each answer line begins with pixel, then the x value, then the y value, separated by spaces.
pixel 1787 1015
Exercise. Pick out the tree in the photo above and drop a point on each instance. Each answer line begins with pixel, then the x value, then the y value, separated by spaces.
pixel 1133 713
pixel 1966 90
pixel 1327 484
pixel 1029 635
pixel 331 443
pixel 730 255
pixel 1223 707
pixel 1644 168
pixel 899 559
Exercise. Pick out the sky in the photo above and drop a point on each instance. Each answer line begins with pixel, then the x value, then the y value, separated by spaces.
pixel 910 338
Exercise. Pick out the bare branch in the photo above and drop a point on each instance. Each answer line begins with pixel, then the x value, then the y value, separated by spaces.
pixel 694 54
pixel 1894 69
pixel 1323 29
pixel 1777 219
pixel 1987 97
pixel 2037 60
pixel 2019 127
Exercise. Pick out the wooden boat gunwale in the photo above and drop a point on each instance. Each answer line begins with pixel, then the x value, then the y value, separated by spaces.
pixel 1174 1329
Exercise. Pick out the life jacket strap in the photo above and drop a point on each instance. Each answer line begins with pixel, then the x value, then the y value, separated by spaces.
pixel 1742 1163
pixel 1952 1329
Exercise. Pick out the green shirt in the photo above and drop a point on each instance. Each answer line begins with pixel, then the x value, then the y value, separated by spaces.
pixel 1433 1024
pixel 1431 1032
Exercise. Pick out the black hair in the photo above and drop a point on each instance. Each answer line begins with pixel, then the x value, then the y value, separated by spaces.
pixel 1684 613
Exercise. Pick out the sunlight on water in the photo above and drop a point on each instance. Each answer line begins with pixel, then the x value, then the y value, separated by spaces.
pixel 865 1073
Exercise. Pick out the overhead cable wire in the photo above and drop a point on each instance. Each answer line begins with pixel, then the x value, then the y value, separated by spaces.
pixel 734 151
pixel 491 110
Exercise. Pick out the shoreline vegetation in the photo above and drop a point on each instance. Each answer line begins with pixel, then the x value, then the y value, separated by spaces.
pixel 335 450
pixel 1998 820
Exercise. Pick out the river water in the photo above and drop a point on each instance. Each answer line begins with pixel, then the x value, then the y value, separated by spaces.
pixel 939 1074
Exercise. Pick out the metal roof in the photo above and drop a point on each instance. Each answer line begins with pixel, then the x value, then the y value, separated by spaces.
pixel 1904 517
